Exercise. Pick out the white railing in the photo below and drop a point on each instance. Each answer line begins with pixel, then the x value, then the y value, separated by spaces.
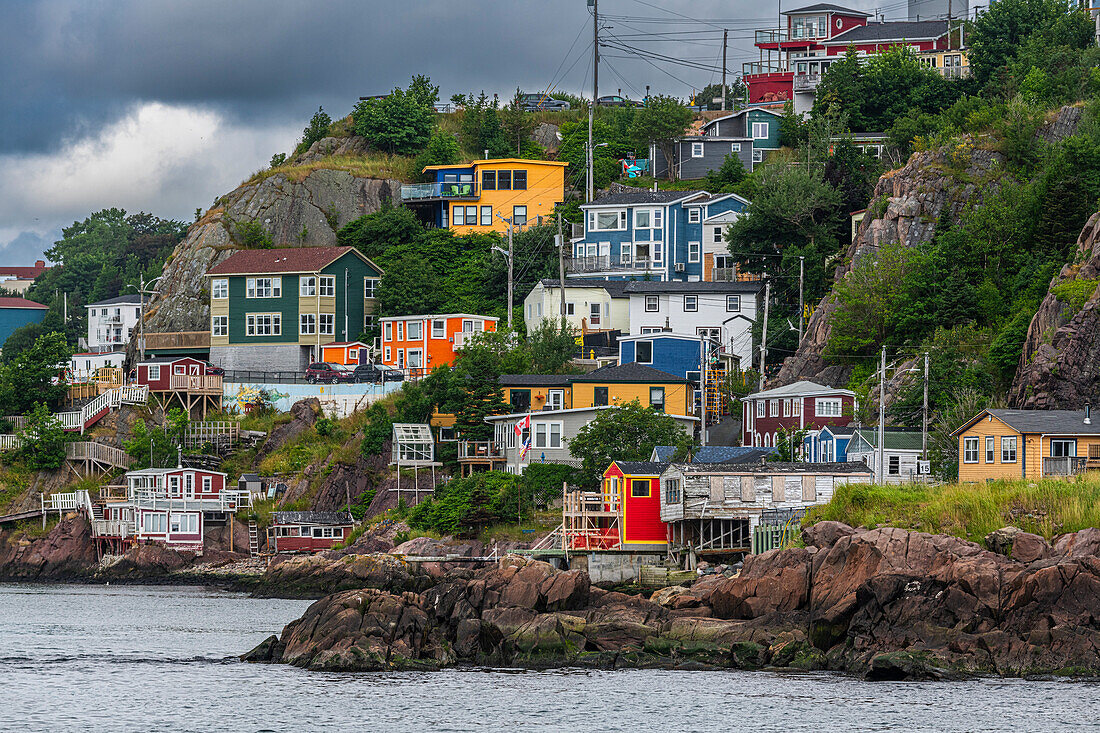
pixel 121 528
pixel 9 441
pixel 92 451
pixel 67 502
pixel 79 419
pixel 230 500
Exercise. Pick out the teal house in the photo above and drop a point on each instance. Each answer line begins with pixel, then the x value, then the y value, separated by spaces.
pixel 16 312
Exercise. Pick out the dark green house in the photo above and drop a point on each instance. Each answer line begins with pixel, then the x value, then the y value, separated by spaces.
pixel 272 309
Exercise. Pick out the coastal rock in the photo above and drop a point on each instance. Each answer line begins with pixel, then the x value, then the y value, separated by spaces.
pixel 312 576
pixel 1018 544
pixel 303 415
pixel 65 552
pixel 146 561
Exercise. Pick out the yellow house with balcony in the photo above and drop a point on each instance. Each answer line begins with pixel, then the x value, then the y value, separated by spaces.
pixel 473 198
pixel 1028 444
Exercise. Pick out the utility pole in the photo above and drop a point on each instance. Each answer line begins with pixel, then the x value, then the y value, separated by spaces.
pixel 764 334
pixel 725 37
pixel 881 416
pixel 801 307
pixel 511 259
pixel 595 92
pixel 924 418
pixel 704 351
pixel 561 265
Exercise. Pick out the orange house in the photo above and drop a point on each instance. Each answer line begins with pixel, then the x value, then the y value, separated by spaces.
pixel 419 344
pixel 343 352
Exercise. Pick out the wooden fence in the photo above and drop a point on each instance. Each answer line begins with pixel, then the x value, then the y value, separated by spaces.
pixel 200 433
pixel 774 536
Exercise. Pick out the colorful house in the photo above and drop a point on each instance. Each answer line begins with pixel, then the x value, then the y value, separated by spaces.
pixel 827 445
pixel 793 406
pixel 17 312
pixel 537 392
pixel 625 514
pixel 748 135
pixel 472 198
pixel 656 235
pixel 1006 444
pixel 272 310
pixel 182 379
pixel 344 352
pixel 590 305
pixel 308 531
pixel 419 344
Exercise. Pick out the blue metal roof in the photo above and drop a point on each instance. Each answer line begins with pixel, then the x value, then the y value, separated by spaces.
pixel 728 453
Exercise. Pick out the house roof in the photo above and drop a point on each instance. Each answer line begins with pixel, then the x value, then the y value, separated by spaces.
pixel 893 439
pixel 838 431
pixel 24 273
pixel 313 518
pixel 128 298
pixel 680 286
pixel 614 288
pixel 640 196
pixel 284 260
pixel 730 454
pixel 662 334
pixel 1055 422
pixel 491 161
pixel 430 316
pixel 894 30
pixel 664 453
pixel 827 7
pixel 535 380
pixel 629 372
pixel 737 114
pixel 16 302
pixel 571 410
pixel 343 343
pixel 167 359
pixel 641 468
pixel 799 389
pixel 776 467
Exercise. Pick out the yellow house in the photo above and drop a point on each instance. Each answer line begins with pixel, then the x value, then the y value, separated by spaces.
pixel 1007 444
pixel 622 384
pixel 535 392
pixel 952 64
pixel 473 198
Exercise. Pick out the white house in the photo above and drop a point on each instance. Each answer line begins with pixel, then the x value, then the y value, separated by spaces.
pixel 721 311
pixel 901 451
pixel 590 305
pixel 112 321
pixel 85 364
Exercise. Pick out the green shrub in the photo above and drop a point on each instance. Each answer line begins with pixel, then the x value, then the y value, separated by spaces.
pixel 1075 293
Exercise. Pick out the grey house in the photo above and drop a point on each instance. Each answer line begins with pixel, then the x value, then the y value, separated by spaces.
pixel 749 135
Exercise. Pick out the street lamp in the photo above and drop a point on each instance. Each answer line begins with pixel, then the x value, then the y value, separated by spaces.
pixel 142 292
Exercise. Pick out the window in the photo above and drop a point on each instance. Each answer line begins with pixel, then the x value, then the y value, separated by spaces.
pixel 519 180
pixel 733 303
pixel 179 369
pixel 796 407
pixel 439 328
pixel 173 486
pixel 735 147
pixel 1008 449
pixel 773 408
pixel 786 408
pixel 307 286
pixel 264 287
pixel 643 219
pixel 893 466
pixel 828 407
pixel 327 324
pixel 761 408
pixel 416 330
pixel 154 373
pixel 693 251
pixel 387 357
pixel 643 352
pixel 652 304
pixel 459 217
pixel 219 289
pixel 486 216
pixel 594 314
pixel 555 399
pixel 639 488
pixel 759 130
pixel 694 216
pixel 657 398
pixel 263 324
pixel 219 326
pixel 691 303
pixel 599 396
pixel 989 451
pixel 307 324
pixel 519 214
pixel 970 450
pixel 400 330
pixel 387 331
pixel 716 235
pixel 672 491
pixel 370 285
pixel 548 435
pixel 570 309
pixel 488 180
pixel 207 484
pixel 504 180
pixel 645 330
pixel 416 358
pixel 602 221
pixel 368 322
pixel 1063 448
pixel 353 355
pixel 328 286
pixel 757 156
pixel 697 150
pixel 156 523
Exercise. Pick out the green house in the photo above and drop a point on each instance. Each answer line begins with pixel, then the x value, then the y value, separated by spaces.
pixel 272 309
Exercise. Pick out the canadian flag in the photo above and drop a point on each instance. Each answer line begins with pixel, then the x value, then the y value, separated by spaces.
pixel 524 424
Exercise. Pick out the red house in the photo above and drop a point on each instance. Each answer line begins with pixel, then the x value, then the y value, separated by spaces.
pixel 799 405
pixel 157 371
pixel 624 514
pixel 308 531
pixel 183 379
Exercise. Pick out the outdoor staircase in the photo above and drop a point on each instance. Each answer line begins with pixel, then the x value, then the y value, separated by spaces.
pixel 253 538
pixel 94 410
pixel 712 395
pixel 551 541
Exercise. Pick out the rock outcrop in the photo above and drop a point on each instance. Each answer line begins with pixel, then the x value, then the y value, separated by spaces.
pixel 884 603
pixel 65 553
pixel 1060 364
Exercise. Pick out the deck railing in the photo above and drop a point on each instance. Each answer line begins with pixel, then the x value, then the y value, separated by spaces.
pixel 230 500
pixel 447 190
pixel 196 383
pixel 1064 465
pixel 119 528
pixel 480 450
pixel 607 263
pixel 201 433
pixel 98 452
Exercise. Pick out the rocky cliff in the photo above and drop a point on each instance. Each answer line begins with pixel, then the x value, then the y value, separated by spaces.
pixel 1060 364
pixel 302 206
pixel 884 603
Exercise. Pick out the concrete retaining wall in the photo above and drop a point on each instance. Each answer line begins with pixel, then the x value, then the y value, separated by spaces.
pixel 614 567
pixel 338 399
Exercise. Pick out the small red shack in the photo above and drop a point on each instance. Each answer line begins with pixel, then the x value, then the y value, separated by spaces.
pixel 156 372
pixel 308 531
pixel 624 514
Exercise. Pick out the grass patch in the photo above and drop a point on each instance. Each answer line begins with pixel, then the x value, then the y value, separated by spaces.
pixel 1047 508
pixel 374 165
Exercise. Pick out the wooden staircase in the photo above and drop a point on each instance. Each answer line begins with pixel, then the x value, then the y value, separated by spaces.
pixel 253 538
pixel 713 402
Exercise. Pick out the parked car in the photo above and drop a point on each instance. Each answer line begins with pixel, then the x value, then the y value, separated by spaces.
pixel 542 102
pixel 216 370
pixel 323 371
pixel 391 374
pixel 614 100
pixel 368 373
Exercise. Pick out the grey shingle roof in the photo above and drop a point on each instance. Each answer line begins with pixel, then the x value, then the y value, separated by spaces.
pixel 729 454
pixel 677 286
pixel 771 468
pixel 828 7
pixel 629 372
pixel 899 30
pixel 313 518
pixel 1067 422
pixel 641 468
pixel 130 298
pixel 535 380
pixel 798 389
pixel 642 197
pixel 614 288
pixel 664 453
pixel 894 439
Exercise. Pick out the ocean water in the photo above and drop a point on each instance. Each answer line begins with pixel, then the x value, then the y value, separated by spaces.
pixel 145 658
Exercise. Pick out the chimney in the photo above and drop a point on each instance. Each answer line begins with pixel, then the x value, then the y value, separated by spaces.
pixel 40 263
pixel 1088 413
pixel 654 185
pixel 667 326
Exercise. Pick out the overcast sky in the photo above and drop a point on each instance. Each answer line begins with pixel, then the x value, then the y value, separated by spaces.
pixel 161 106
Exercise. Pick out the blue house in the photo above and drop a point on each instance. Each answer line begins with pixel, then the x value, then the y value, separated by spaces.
pixel 16 312
pixel 656 235
pixel 675 353
pixel 827 445
pixel 748 135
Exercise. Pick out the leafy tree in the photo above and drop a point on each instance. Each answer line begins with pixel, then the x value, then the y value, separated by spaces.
pixel 481 128
pixel 33 377
pixel 551 347
pixel 317 129
pixel 442 149
pixel 728 177
pixel 791 130
pixel 788 444
pixel 43 440
pixel 735 96
pixel 153 447
pixel 628 433
pixel 464 506
pixel 378 430
pixel 400 122
pixel 661 121
pixel 517 123
pixel 409 288
pixel 476 371
pixel 276 160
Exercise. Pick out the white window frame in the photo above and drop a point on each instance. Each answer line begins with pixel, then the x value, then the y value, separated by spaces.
pixel 388 356
pixel 757 155
pixel 207 484
pixel 990 449
pixel 307 324
pixel 648 213
pixel 735 147
pixel 594 220
pixel 761 408
pixel 656 304
pixel 786 408
pixel 544 436
pixel 970 448
pixel 327 324
pixel 761 130
pixel 219 288
pixel 694 251
pixel 419 325
pixel 796 407
pixel 773 407
pixel 637 353
pixel 153 372
pixel 263 287
pixel 1009 449
pixel 691 304
pixel 697 150
pixel 327 286
pixel 370 287
pixel 387 331
pixel 307 286
pixel 439 328
pixel 400 331
pixel 419 359
pixel 828 407
pixel 695 215
pixel 254 324
pixel 555 399
pixel 893 465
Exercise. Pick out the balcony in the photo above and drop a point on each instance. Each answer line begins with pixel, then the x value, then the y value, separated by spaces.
pixel 954 72
pixel 755 68
pixel 1064 466
pixel 480 450
pixel 196 383
pixel 772 35
pixel 432 191
pixel 607 263
pixel 806 82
